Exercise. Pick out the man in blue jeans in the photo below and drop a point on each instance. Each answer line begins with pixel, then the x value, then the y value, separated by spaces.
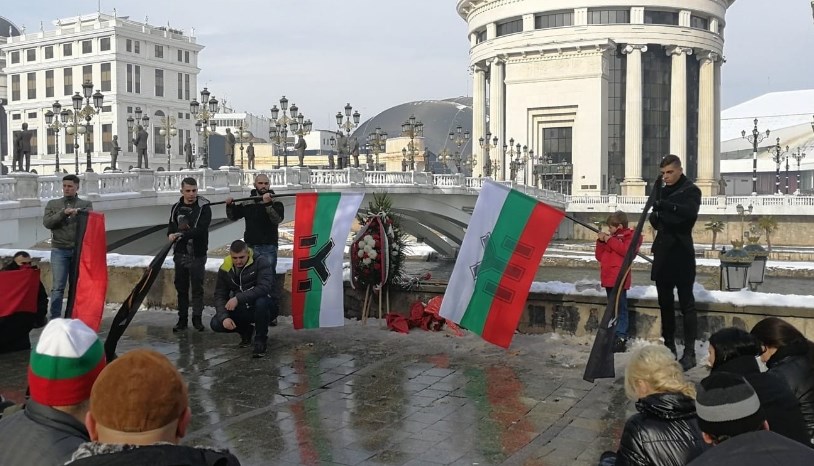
pixel 60 218
pixel 263 219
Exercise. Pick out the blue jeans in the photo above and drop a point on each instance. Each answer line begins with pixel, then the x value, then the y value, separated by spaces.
pixel 269 251
pixel 62 268
pixel 622 322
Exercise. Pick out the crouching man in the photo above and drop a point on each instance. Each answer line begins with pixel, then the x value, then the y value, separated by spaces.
pixel 242 297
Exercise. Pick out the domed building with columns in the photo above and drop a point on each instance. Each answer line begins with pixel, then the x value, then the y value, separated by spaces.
pixel 600 91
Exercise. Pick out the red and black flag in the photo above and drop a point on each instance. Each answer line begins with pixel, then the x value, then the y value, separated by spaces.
pixel 600 362
pixel 88 287
pixel 131 305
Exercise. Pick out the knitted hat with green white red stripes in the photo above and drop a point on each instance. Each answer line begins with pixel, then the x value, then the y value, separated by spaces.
pixel 65 363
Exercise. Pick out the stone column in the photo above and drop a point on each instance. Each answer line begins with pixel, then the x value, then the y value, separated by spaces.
pixel 678 102
pixel 706 123
pixel 633 185
pixel 497 107
pixel 479 114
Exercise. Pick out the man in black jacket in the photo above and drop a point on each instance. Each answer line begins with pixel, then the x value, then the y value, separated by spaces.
pixel 189 228
pixel 674 214
pixel 242 297
pixel 263 219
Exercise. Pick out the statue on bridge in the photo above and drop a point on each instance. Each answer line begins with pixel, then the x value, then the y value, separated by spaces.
pixel 354 151
pixel 613 185
pixel 250 155
pixel 722 186
pixel 300 147
pixel 141 145
pixel 342 150
pixel 188 156
pixel 114 152
pixel 22 150
pixel 230 147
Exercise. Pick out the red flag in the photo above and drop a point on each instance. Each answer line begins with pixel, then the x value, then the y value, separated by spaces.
pixel 19 289
pixel 88 302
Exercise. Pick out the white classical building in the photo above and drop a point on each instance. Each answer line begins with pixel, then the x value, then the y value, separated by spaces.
pixel 601 89
pixel 135 65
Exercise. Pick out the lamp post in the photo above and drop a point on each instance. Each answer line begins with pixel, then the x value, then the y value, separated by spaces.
pixel 280 124
pixel 204 121
pixel 376 141
pixel 133 124
pixel 412 129
pixel 445 157
pixel 242 134
pixel 459 137
pixel 755 139
pixel 777 156
pixel 734 268
pixel 798 156
pixel 743 213
pixel 346 123
pixel 84 111
pixel 169 131
pixel 509 152
pixel 56 125
pixel 487 145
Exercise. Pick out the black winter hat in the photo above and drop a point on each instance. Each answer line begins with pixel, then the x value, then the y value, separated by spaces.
pixel 727 405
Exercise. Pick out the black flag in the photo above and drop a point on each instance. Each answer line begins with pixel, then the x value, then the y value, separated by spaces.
pixel 131 305
pixel 600 362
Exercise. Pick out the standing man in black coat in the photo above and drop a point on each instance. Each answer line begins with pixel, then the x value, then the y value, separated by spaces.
pixel 674 214
pixel 189 229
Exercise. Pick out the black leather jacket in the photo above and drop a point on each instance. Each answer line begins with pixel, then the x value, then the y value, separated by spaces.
pixel 664 433
pixel 792 363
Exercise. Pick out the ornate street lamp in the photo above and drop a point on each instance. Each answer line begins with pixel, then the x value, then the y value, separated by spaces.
pixel 777 155
pixel 134 123
pixel 412 129
pixel 742 213
pixel 757 271
pixel 242 135
pixel 169 131
pixel 84 111
pixel 487 145
pixel 56 125
pixel 445 157
pixel 459 137
pixel 278 135
pixel 280 124
pixel 734 268
pixel 346 123
pixel 509 153
pixel 205 124
pixel 376 141
pixel 755 139
pixel 798 156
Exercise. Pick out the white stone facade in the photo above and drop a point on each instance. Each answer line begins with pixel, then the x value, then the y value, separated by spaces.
pixel 547 64
pixel 125 60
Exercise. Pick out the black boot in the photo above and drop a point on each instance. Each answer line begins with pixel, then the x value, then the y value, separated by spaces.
pixel 687 360
pixel 181 325
pixel 196 322
pixel 619 345
pixel 246 337
pixel 259 349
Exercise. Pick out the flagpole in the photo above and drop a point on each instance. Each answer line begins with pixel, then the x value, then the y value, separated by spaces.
pixel 253 198
pixel 596 230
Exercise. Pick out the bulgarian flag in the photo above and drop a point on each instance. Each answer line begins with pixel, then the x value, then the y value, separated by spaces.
pixel 321 227
pixel 499 257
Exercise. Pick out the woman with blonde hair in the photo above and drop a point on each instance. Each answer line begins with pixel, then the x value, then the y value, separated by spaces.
pixel 665 430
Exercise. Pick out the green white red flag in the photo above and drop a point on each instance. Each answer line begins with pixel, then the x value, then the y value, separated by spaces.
pixel 499 257
pixel 322 224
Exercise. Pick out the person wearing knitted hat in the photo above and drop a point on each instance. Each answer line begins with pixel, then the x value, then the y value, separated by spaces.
pixel 732 420
pixel 64 365
pixel 139 412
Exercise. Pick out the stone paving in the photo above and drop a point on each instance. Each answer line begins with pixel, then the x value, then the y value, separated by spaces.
pixel 366 396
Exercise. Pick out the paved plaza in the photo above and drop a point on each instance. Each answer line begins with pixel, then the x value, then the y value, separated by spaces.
pixel 367 396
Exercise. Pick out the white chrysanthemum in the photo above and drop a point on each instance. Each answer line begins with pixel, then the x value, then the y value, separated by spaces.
pixel 373 254
pixel 368 239
pixel 360 253
pixel 367 248
pixel 366 261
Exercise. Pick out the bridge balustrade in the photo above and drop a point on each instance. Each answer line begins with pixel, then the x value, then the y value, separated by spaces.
pixel 7 189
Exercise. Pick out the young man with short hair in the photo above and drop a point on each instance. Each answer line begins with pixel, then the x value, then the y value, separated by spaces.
pixel 61 218
pixel 189 229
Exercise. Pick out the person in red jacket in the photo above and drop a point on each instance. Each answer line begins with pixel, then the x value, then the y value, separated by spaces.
pixel 610 251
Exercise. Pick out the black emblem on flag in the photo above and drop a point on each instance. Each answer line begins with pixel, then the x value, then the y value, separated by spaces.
pixel 315 262
pixel 513 272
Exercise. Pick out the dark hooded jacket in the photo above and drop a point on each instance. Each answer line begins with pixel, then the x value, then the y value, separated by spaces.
pixel 262 220
pixel 160 454
pixel 761 448
pixel 254 280
pixel 792 364
pixel 778 402
pixel 192 221
pixel 673 218
pixel 39 435
pixel 664 432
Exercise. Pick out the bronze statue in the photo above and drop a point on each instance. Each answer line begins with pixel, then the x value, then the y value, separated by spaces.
pixel 354 150
pixel 230 147
pixel 141 145
pixel 613 185
pixel 114 152
pixel 250 154
pixel 342 150
pixel 722 185
pixel 188 156
pixel 300 147
pixel 22 150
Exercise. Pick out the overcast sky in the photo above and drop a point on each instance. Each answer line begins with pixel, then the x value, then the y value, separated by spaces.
pixel 378 53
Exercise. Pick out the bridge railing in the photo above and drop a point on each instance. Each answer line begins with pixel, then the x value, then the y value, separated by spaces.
pixel 50 186
pixel 114 183
pixel 7 189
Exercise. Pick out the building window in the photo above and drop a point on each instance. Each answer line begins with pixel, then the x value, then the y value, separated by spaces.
pixel 186 57
pixel 656 77
pixel 15 87
pixel 180 55
pixel 661 17
pixel 608 16
pixel 15 57
pixel 137 81
pixel 159 141
pixel 617 82
pixel 67 49
pixel 51 143
pixel 32 85
pixel 107 137
pixel 128 45
pixel 107 108
pixel 554 20
pixel 49 52
pixel 137 46
pixel 509 27
pixel 67 81
pixel 31 55
pixel 186 87
pixel 159 51
pixel 49 83
pixel 106 77
pixel 87 46
pixel 557 146
pixel 87 73
pixel 104 44
pixel 32 115
pixel 693 75
pixel 129 78
pixel 180 85
pixel 480 36
pixel 16 116
pixel 159 83
pixel 698 22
